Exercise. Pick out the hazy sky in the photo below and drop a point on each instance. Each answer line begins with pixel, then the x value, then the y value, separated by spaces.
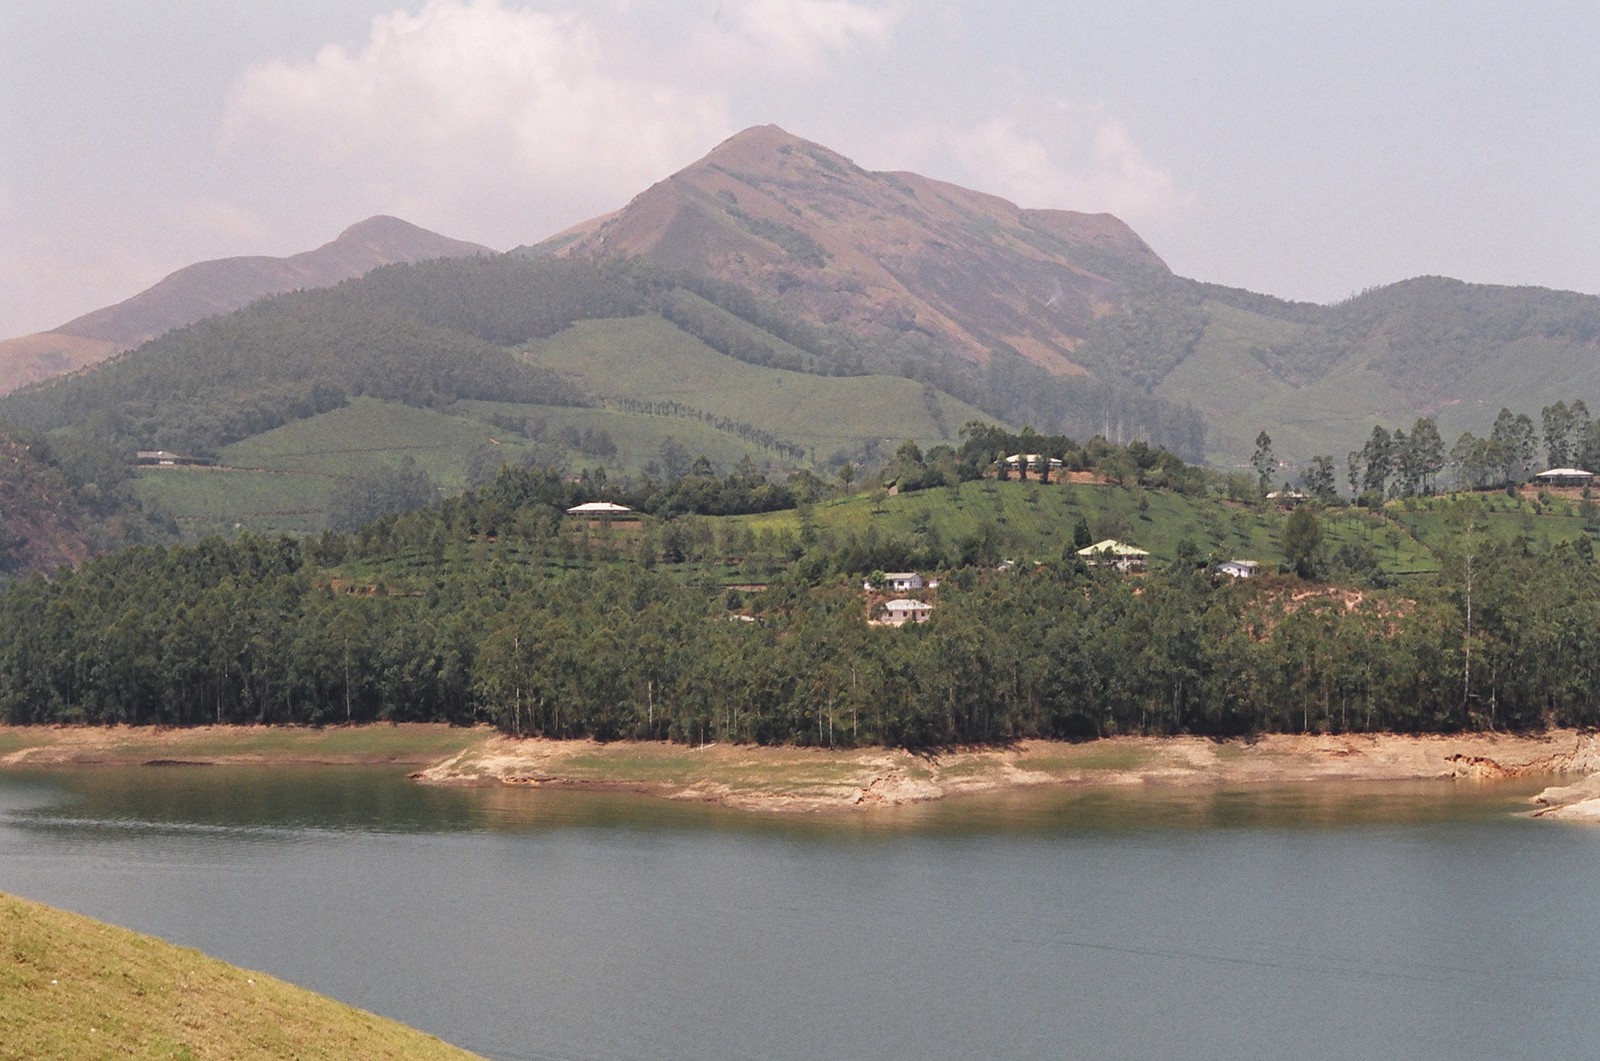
pixel 1308 150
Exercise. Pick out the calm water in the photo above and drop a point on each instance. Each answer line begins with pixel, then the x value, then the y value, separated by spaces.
pixel 1297 922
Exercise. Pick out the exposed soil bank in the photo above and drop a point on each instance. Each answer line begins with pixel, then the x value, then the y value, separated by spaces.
pixel 408 744
pixel 813 779
pixel 801 779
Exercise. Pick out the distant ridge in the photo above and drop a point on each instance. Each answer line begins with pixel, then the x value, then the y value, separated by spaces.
pixel 220 286
pixel 926 268
pixel 885 253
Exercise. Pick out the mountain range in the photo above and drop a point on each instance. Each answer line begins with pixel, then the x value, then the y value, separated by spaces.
pixel 896 254
pixel 212 287
pixel 786 256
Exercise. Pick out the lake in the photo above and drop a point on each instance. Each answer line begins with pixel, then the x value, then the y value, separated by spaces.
pixel 1382 920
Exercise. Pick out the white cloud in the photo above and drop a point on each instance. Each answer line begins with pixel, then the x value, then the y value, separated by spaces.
pixel 1061 155
pixel 793 36
pixel 472 108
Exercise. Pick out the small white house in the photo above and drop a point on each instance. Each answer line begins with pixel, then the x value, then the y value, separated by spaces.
pixel 902 581
pixel 1564 477
pixel 904 610
pixel 1032 461
pixel 1112 553
pixel 1239 568
pixel 600 510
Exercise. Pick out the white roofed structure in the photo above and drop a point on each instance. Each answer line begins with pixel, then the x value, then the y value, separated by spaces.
pixel 600 510
pixel 1564 477
pixel 1112 553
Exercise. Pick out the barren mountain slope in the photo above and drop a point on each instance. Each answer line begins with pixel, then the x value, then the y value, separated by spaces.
pixel 879 252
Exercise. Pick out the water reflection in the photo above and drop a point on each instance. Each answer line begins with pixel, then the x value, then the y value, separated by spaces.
pixel 280 803
pixel 260 803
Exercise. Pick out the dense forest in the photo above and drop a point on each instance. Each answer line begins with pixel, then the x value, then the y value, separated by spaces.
pixel 494 607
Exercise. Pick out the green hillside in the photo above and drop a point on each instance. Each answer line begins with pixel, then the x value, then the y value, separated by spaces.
pixel 1318 378
pixel 1028 521
pixel 638 437
pixel 286 480
pixel 646 358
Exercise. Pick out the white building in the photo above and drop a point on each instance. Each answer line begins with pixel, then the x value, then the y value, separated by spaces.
pixel 1564 477
pixel 902 581
pixel 600 510
pixel 904 610
pixel 1112 553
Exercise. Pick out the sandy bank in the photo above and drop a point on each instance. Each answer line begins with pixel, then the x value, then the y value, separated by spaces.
pixel 802 779
pixel 408 744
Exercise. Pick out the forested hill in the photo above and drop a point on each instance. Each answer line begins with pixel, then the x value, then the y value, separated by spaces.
pixel 208 288
pixel 61 501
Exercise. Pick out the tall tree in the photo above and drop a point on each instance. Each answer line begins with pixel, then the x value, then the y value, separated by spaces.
pixel 1302 541
pixel 1427 452
pixel 1377 458
pixel 1264 463
pixel 1318 478
pixel 1558 425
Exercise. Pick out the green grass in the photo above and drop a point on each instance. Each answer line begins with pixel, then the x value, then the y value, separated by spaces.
pixel 212 501
pixel 1036 521
pixel 377 743
pixel 638 436
pixel 1498 518
pixel 364 436
pixel 71 987
pixel 1092 755
pixel 647 358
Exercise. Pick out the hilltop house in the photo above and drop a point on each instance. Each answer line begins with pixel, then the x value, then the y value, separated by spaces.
pixel 1112 553
pixel 1239 568
pixel 902 581
pixel 1033 461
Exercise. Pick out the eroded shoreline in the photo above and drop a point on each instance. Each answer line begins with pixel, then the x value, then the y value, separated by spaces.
pixel 788 779
pixel 805 779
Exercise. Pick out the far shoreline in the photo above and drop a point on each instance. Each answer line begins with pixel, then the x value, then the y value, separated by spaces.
pixel 789 779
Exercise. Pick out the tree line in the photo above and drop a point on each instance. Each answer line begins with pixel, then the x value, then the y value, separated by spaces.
pixel 492 608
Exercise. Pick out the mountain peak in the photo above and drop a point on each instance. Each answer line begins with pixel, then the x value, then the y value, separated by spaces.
pixel 886 254
pixel 380 226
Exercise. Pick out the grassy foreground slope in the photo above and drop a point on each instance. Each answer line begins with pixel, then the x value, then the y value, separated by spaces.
pixel 74 987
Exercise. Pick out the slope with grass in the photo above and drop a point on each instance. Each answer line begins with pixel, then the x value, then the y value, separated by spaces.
pixel 73 987
pixel 1033 521
pixel 638 437
pixel 285 480
pixel 646 358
